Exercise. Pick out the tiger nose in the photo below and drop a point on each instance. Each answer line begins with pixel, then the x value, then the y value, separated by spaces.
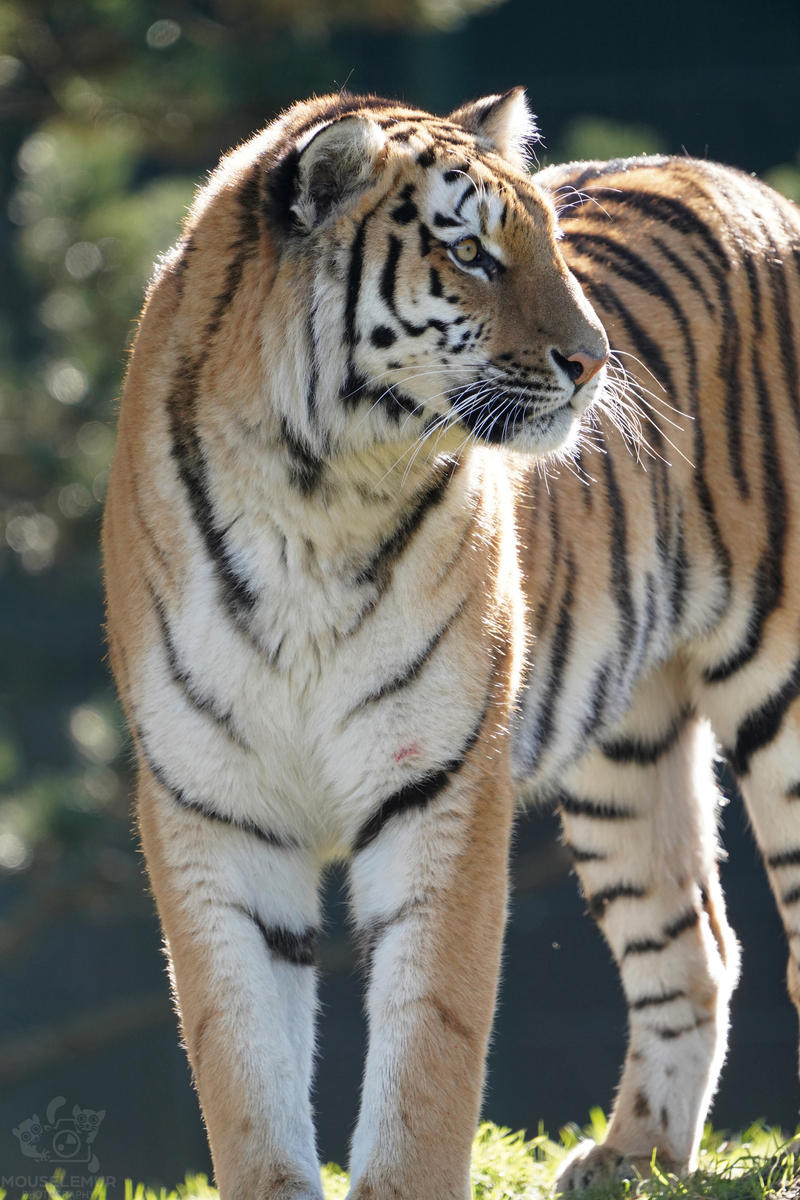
pixel 580 366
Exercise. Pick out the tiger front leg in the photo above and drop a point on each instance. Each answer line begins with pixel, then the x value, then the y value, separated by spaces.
pixel 429 889
pixel 239 910
pixel 639 815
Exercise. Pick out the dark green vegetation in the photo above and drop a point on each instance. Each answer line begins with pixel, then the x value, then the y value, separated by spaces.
pixel 109 112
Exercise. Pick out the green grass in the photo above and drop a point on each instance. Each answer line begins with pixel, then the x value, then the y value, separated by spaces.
pixel 755 1165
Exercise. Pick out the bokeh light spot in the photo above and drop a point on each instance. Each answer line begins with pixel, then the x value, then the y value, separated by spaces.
pixel 162 34
pixel 83 259
pixel 66 382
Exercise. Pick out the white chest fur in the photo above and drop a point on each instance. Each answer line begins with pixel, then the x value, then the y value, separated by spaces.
pixel 313 706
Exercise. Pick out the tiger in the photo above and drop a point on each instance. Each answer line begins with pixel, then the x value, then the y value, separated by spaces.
pixel 393 540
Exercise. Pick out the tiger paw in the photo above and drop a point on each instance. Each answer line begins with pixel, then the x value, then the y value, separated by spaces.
pixel 589 1165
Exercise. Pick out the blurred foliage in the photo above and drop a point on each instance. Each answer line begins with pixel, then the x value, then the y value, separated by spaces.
pixel 597 137
pixel 111 109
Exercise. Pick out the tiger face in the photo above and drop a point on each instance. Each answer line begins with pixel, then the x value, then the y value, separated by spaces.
pixel 457 318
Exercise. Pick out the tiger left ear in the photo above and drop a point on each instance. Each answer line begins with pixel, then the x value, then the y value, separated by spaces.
pixel 333 166
pixel 503 123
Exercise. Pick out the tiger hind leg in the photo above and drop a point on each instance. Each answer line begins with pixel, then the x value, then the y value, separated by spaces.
pixel 760 733
pixel 640 815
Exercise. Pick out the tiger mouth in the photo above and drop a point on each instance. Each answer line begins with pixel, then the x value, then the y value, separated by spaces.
pixel 497 423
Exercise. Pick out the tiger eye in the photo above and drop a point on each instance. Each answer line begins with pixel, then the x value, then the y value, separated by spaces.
pixel 466 251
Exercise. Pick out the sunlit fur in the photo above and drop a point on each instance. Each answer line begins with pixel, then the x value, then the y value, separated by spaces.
pixel 315 612
pixel 664 595
pixel 353 610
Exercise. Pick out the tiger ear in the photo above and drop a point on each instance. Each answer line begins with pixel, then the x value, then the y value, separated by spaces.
pixel 503 123
pixel 334 165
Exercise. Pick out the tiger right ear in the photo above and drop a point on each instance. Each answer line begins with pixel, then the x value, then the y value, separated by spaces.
pixel 334 165
pixel 503 123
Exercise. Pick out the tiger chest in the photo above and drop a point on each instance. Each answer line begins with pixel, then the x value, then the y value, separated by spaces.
pixel 348 719
pixel 327 700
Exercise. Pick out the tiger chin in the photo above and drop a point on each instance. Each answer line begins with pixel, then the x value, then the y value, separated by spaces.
pixel 349 619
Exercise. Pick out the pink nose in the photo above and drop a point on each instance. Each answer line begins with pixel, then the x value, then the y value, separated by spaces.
pixel 580 366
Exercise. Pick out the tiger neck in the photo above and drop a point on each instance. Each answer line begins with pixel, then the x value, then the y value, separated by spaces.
pixel 343 506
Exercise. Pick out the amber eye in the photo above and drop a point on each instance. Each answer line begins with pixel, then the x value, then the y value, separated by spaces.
pixel 467 250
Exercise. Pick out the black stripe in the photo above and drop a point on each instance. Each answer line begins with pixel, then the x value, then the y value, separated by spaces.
pixel 405 212
pixel 298 949
pixel 680 570
pixel 760 727
pixel 305 468
pixel 419 793
pixel 669 1035
pixel 413 670
pixel 792 896
pixel 683 268
pixel 581 856
pixel 776 270
pixel 599 902
pixel 378 569
pixel 313 370
pixel 178 272
pixel 672 212
pixel 628 265
pixel 793 791
pixel 388 283
pixel 237 593
pixel 370 935
pixel 354 273
pixel 187 449
pixel 652 1001
pixel 619 567
pixel 600 809
pixel 754 287
pixel 598 697
pixel 596 170
pixel 465 195
pixel 157 549
pixel 644 946
pixel 201 809
pixel 670 932
pixel 559 655
pixel 556 547
pixel 640 752
pixel 182 678
pixel 769 571
pixel 687 921
pixel 785 858
pixel 241 251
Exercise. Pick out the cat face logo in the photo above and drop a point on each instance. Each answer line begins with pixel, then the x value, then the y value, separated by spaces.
pixel 61 1140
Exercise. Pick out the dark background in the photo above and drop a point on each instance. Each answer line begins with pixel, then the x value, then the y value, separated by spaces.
pixel 110 110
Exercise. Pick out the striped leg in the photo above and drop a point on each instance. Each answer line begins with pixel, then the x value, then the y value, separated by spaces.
pixel 763 747
pixel 639 815
pixel 429 892
pixel 239 910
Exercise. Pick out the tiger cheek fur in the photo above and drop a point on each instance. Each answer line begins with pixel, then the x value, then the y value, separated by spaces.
pixel 322 577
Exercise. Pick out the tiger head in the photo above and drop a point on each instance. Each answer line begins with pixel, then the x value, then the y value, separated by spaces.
pixel 417 290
